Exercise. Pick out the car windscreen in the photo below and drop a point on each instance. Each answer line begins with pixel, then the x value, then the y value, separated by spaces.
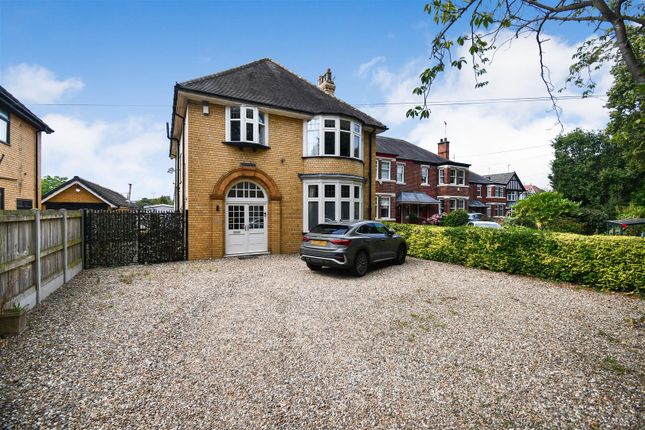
pixel 330 229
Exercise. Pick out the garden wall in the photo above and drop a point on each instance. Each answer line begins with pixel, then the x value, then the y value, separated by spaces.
pixel 39 252
pixel 605 262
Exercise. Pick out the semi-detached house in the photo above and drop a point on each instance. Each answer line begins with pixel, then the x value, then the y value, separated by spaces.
pixel 262 155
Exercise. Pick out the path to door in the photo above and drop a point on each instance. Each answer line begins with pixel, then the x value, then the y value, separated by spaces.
pixel 265 343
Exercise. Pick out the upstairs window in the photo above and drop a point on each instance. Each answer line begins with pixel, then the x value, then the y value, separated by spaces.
pixel 4 127
pixel 400 173
pixel 383 167
pixel 424 175
pixel 442 176
pixel 479 190
pixel 453 176
pixel 333 137
pixel 246 124
pixel 461 175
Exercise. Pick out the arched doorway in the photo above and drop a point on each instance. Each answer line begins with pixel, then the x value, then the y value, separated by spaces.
pixel 246 219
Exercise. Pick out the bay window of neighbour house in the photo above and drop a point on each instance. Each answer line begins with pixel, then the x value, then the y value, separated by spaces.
pixel 331 201
pixel 479 190
pixel 400 173
pixel 500 210
pixel 383 167
pixel 453 176
pixel 512 196
pixel 461 177
pixel 246 124
pixel 442 176
pixel 333 137
pixel 442 206
pixel 424 175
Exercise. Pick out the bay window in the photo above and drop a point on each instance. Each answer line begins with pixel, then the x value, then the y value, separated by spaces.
pixel 453 176
pixel 327 201
pixel 461 177
pixel 333 137
pixel 479 190
pixel 246 124
pixel 442 176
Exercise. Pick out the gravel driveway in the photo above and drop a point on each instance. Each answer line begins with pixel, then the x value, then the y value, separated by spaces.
pixel 265 343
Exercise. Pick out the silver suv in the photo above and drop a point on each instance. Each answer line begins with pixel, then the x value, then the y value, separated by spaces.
pixel 351 245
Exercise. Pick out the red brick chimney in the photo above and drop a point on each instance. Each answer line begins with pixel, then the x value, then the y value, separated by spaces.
pixel 443 148
pixel 326 83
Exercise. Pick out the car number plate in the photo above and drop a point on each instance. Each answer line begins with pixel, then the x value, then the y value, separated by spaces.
pixel 319 242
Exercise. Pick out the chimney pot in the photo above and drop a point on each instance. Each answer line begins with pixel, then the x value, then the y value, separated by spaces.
pixel 443 148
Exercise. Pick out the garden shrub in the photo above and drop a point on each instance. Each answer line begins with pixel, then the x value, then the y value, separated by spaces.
pixel 455 219
pixel 605 262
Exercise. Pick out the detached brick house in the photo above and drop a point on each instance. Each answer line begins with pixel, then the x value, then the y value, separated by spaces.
pixel 20 149
pixel 515 191
pixel 410 179
pixel 487 196
pixel 262 155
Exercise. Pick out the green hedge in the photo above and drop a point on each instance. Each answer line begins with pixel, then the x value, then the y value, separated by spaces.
pixel 606 262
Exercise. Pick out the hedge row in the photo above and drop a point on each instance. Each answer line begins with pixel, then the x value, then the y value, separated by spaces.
pixel 606 262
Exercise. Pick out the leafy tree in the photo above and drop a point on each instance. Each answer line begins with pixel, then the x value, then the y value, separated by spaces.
pixel 612 25
pixel 154 201
pixel 589 168
pixel 549 210
pixel 48 183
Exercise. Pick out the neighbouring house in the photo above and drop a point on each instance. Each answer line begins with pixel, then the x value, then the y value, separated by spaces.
pixel 515 191
pixel 263 155
pixel 414 182
pixel 161 207
pixel 532 189
pixel 487 196
pixel 79 193
pixel 20 154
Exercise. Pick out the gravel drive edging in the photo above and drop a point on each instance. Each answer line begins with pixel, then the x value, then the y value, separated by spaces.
pixel 265 343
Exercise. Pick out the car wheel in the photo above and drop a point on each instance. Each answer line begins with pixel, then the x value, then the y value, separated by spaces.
pixel 314 267
pixel 400 254
pixel 361 262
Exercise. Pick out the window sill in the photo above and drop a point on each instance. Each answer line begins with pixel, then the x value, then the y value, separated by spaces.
pixel 400 183
pixel 425 185
pixel 380 181
pixel 386 219
pixel 333 156
pixel 240 144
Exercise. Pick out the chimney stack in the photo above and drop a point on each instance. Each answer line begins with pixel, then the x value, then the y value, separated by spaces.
pixel 443 148
pixel 326 83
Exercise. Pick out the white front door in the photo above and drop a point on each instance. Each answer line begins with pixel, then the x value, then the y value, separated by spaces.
pixel 246 220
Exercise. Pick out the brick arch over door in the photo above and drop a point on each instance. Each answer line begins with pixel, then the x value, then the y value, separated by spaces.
pixel 252 173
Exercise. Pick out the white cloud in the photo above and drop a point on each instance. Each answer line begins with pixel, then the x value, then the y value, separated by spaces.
pixel 365 67
pixel 36 84
pixel 111 154
pixel 476 130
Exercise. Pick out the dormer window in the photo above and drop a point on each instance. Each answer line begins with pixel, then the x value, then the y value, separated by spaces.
pixel 333 137
pixel 246 124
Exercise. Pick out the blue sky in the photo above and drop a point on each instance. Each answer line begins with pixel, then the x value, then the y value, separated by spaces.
pixel 131 53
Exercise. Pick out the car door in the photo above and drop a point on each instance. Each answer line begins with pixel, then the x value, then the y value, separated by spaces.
pixel 387 242
pixel 371 240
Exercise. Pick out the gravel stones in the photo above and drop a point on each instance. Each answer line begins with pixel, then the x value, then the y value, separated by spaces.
pixel 265 343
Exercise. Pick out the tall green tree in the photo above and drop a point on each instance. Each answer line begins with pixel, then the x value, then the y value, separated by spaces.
pixel 549 211
pixel 154 201
pixel 589 168
pixel 48 183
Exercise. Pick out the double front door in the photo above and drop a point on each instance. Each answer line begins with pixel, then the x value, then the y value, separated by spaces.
pixel 246 228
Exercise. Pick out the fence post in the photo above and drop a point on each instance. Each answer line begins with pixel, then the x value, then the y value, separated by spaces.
pixel 64 245
pixel 37 268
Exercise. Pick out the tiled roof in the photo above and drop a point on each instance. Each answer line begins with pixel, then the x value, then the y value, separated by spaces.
pixel 14 104
pixel 113 197
pixel 501 178
pixel 475 178
pixel 476 204
pixel 270 84
pixel 409 151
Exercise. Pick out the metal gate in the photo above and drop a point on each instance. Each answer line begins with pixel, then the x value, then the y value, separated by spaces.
pixel 120 238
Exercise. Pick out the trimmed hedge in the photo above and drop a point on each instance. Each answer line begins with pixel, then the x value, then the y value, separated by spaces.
pixel 614 263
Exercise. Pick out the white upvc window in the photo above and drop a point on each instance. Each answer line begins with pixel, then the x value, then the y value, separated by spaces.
pixel 425 175
pixel 384 169
pixel 383 207
pixel 461 177
pixel 400 173
pixel 479 190
pixel 512 196
pixel 453 176
pixel 442 176
pixel 4 127
pixel 442 206
pixel 333 137
pixel 246 124
pixel 326 201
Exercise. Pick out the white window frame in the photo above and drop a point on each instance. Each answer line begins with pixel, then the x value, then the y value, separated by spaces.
pixel 355 131
pixel 4 117
pixel 427 179
pixel 442 176
pixel 402 166
pixel 244 121
pixel 379 200
pixel 337 199
pixel 379 165
pixel 479 190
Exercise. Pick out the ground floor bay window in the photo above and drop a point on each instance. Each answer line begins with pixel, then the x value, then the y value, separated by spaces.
pixel 328 200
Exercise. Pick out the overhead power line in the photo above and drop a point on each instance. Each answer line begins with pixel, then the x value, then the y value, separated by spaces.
pixel 376 104
pixel 508 150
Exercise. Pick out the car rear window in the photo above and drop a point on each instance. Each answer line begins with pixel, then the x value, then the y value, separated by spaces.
pixel 330 229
